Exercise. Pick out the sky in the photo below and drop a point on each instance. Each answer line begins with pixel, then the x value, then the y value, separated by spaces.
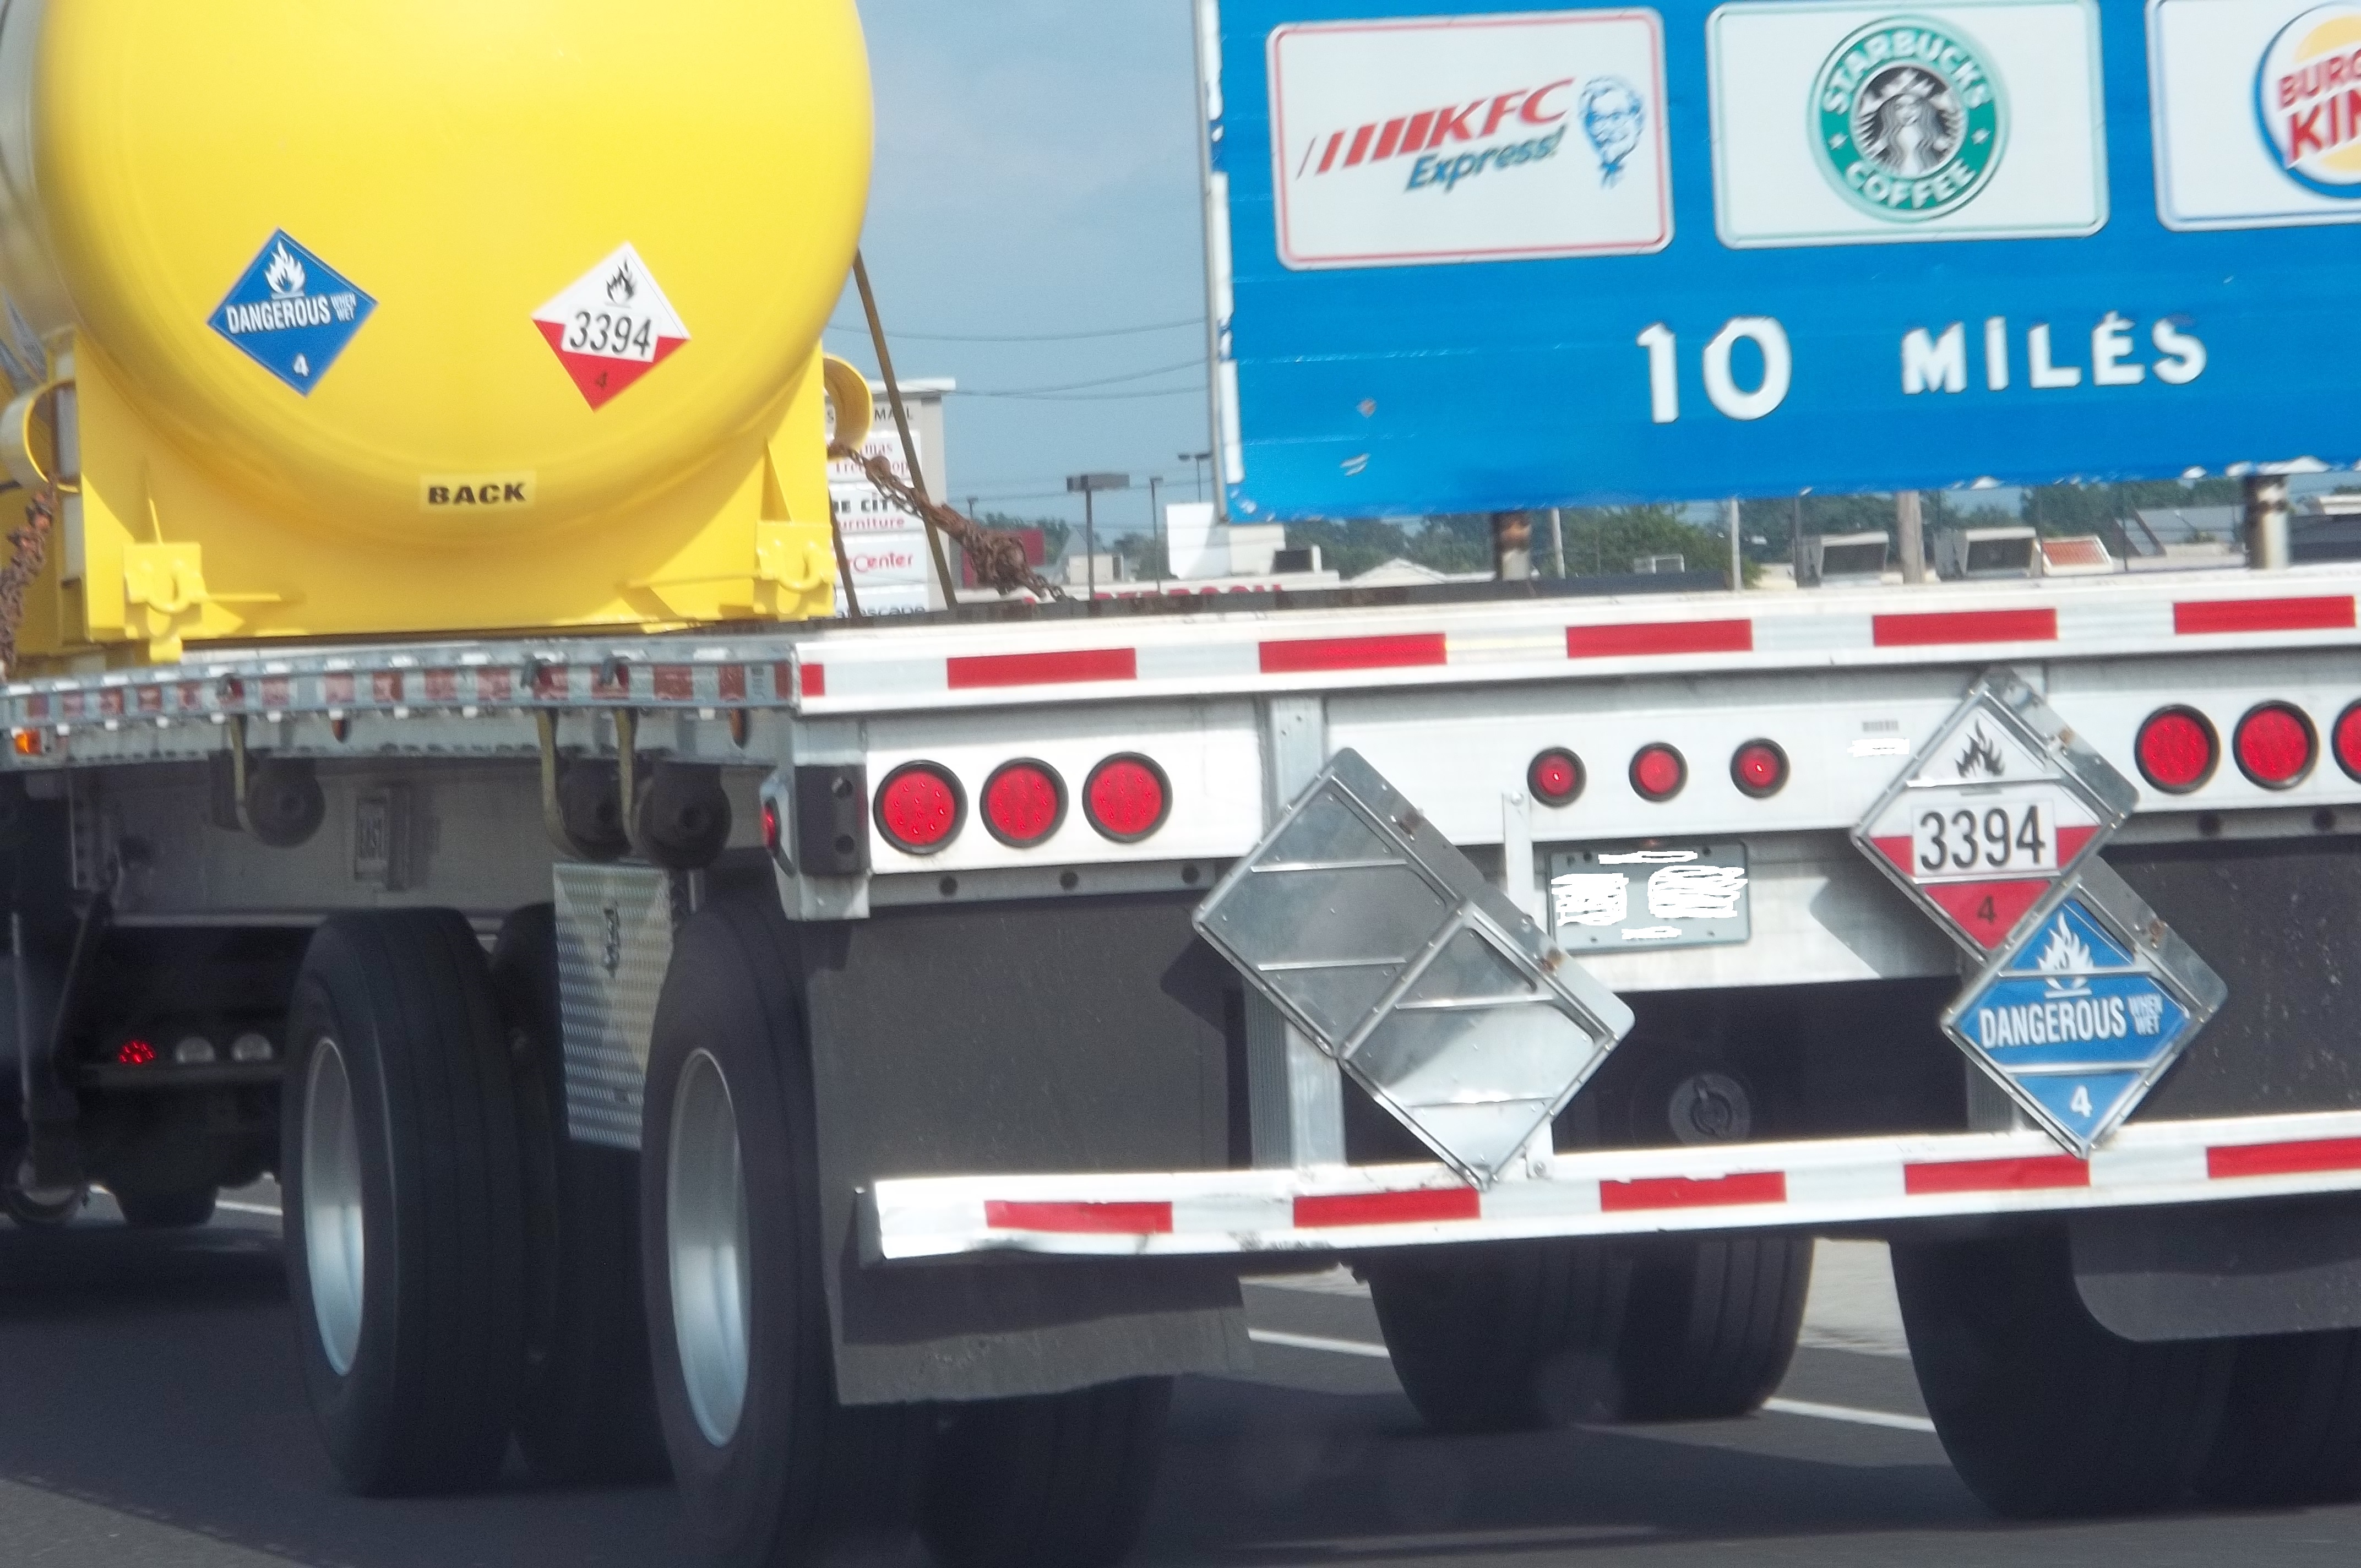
pixel 1036 175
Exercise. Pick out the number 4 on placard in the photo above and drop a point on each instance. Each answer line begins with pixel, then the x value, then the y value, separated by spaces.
pixel 2080 1103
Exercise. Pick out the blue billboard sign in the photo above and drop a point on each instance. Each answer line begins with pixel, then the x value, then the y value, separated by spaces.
pixel 1472 254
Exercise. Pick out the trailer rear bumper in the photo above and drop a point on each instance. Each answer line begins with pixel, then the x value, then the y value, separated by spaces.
pixel 1814 1185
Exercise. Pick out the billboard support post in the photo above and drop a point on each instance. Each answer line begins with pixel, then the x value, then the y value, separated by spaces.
pixel 1910 522
pixel 2267 522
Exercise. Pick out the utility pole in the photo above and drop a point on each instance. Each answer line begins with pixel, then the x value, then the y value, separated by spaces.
pixel 1911 524
pixel 1737 556
pixel 1155 521
pixel 1088 486
pixel 1558 539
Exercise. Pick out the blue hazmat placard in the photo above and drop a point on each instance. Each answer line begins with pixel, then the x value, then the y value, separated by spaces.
pixel 291 312
pixel 1475 254
pixel 2074 1020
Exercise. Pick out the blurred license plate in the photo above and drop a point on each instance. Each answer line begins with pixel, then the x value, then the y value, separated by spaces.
pixel 1657 895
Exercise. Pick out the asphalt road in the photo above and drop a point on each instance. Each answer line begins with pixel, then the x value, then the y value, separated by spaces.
pixel 153 1418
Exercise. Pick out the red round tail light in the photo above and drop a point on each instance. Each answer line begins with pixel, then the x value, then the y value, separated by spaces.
pixel 2275 745
pixel 919 807
pixel 1759 769
pixel 2177 750
pixel 1126 798
pixel 1554 777
pixel 1023 801
pixel 1658 772
pixel 2346 740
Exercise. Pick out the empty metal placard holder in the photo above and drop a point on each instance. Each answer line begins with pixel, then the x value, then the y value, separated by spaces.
pixel 1380 941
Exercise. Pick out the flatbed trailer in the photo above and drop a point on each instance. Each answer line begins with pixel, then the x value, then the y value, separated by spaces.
pixel 864 1092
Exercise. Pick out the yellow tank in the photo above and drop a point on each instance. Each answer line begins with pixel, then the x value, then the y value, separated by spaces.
pixel 402 317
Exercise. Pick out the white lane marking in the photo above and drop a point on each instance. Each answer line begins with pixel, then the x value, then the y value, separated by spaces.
pixel 236 1208
pixel 1315 1342
pixel 1781 1407
pixel 1848 1413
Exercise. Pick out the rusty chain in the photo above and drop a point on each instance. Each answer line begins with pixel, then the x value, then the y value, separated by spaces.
pixel 998 558
pixel 29 546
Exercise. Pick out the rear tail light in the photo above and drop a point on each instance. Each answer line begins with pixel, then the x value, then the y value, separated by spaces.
pixel 135 1052
pixel 1759 769
pixel 1554 777
pixel 1024 801
pixel 194 1051
pixel 772 833
pixel 2346 740
pixel 1126 798
pixel 2177 750
pixel 2275 745
pixel 251 1047
pixel 1658 772
pixel 920 807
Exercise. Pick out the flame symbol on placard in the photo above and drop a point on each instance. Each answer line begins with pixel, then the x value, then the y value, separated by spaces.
pixel 285 274
pixel 2067 954
pixel 1981 757
pixel 620 287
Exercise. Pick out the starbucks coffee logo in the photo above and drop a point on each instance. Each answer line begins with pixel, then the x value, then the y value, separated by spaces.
pixel 1909 119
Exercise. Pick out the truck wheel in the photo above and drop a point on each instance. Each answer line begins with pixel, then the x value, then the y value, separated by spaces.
pixel 1539 1334
pixel 404 1194
pixel 2291 1434
pixel 771 1466
pixel 166 1210
pixel 43 1211
pixel 1711 1325
pixel 1054 1481
pixel 1505 1338
pixel 2044 1413
pixel 587 1410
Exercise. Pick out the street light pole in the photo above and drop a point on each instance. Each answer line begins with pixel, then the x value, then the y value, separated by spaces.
pixel 1089 485
pixel 1155 520
pixel 1197 461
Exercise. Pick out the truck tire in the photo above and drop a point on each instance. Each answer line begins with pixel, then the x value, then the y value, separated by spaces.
pixel 2045 1413
pixel 1508 1338
pixel 166 1210
pixel 43 1212
pixel 587 1410
pixel 770 1467
pixel 404 1195
pixel 1541 1334
pixel 2291 1435
pixel 1053 1481
pixel 1711 1325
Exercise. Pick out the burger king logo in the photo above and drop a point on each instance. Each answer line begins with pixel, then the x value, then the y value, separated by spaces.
pixel 2308 100
pixel 1907 116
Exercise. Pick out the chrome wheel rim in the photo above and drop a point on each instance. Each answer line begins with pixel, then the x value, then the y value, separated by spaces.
pixel 333 1237
pixel 705 1226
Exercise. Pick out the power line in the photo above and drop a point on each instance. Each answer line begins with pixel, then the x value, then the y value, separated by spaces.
pixel 1024 337
pixel 1196 391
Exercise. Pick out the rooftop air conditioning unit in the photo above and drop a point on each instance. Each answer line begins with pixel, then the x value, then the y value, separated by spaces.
pixel 1837 560
pixel 1986 552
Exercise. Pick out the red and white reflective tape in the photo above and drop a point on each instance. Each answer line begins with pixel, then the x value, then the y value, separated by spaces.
pixel 839 668
pixel 1614 1192
pixel 922 666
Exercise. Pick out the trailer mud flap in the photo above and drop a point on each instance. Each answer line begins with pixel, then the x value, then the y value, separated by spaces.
pixel 2221 1271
